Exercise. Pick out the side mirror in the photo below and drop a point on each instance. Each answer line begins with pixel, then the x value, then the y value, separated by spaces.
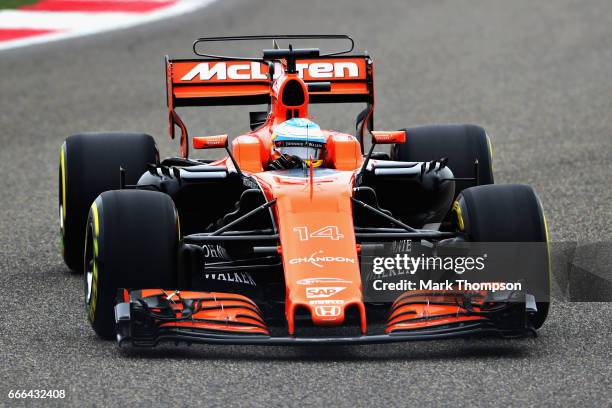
pixel 210 142
pixel 380 137
pixel 216 142
pixel 388 136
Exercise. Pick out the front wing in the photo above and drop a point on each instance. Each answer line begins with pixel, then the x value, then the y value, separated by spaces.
pixel 147 317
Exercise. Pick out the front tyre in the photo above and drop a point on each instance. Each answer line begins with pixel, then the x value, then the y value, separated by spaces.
pixel 131 241
pixel 507 213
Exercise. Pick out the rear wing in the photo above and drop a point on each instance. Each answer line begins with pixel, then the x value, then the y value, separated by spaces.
pixel 213 82
pixel 225 81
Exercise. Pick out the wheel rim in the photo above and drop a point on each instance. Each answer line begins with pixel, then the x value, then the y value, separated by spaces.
pixel 88 281
pixel 89 265
pixel 61 218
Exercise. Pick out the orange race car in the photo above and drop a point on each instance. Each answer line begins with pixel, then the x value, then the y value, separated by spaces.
pixel 298 235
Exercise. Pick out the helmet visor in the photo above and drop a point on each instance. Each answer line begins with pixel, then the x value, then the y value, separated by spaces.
pixel 303 150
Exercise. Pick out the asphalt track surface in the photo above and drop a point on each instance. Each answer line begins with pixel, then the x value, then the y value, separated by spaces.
pixel 535 74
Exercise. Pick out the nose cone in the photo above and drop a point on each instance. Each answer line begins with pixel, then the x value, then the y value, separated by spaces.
pixel 320 261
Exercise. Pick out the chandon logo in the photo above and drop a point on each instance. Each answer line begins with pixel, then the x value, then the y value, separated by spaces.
pixel 318 259
pixel 206 71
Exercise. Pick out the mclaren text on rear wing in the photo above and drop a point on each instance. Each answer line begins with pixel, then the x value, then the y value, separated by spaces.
pixel 205 82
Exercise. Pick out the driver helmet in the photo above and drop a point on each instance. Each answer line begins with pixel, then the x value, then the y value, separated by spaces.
pixel 300 138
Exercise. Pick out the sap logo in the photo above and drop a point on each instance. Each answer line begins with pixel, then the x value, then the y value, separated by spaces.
pixel 221 71
pixel 314 281
pixel 318 259
pixel 327 311
pixel 323 292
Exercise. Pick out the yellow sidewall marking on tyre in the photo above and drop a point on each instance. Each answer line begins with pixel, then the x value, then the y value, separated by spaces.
pixel 63 170
pixel 457 210
pixel 63 198
pixel 94 293
pixel 490 147
pixel 94 278
pixel 94 209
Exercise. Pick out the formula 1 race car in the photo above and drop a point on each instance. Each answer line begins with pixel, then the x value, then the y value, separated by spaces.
pixel 267 244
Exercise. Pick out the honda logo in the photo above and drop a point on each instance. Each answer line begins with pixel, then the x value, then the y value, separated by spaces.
pixel 328 311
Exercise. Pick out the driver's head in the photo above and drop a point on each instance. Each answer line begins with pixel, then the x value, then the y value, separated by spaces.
pixel 301 138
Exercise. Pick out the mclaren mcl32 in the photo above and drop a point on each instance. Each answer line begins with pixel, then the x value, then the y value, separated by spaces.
pixel 269 243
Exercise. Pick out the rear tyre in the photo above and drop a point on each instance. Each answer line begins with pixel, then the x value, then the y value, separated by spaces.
pixel 461 144
pixel 131 241
pixel 89 165
pixel 506 213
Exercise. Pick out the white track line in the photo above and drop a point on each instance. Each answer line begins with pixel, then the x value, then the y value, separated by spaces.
pixel 81 24
pixel 65 20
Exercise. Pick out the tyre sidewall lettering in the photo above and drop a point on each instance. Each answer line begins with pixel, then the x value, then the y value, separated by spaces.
pixel 95 229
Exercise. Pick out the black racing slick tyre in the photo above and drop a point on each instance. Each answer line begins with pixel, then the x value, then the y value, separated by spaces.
pixel 131 242
pixel 461 144
pixel 89 165
pixel 507 213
